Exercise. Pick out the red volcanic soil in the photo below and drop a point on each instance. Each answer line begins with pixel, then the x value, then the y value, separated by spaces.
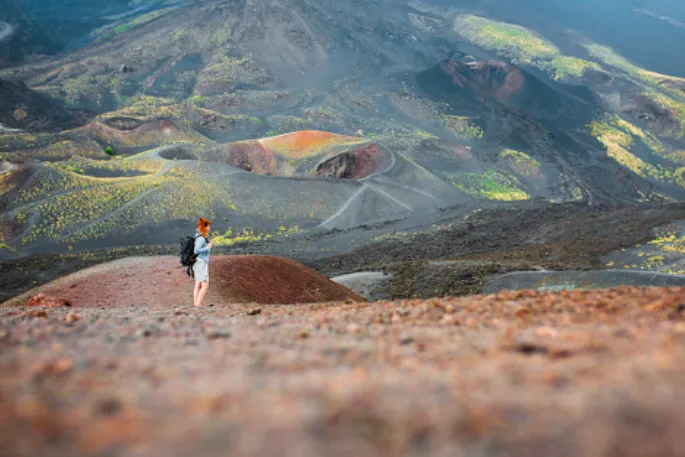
pixel 248 155
pixel 524 374
pixel 355 164
pixel 306 143
pixel 498 80
pixel 162 281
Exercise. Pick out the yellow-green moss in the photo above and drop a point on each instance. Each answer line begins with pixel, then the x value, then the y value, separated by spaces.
pixel 249 235
pixel 462 127
pixel 617 135
pixel 513 41
pixel 521 45
pixel 489 184
pixel 565 66
pixel 521 162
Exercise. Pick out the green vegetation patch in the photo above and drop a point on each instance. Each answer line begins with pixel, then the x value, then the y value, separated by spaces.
pixel 111 168
pixel 521 46
pixel 64 213
pixel 521 162
pixel 146 108
pixel 222 73
pixel 676 108
pixel 618 136
pixel 662 254
pixel 49 179
pixel 69 206
pixel 109 31
pixel 233 237
pixel 490 184
pixel 462 127
pixel 607 55
pixel 564 66
pixel 655 85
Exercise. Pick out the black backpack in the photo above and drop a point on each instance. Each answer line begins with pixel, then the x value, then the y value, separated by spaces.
pixel 187 257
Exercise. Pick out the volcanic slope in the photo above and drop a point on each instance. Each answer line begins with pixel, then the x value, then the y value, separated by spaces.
pixel 275 118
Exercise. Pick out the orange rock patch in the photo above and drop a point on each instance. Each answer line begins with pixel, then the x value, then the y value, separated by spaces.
pixel 306 143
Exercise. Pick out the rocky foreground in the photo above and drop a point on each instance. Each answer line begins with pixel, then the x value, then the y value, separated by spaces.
pixel 590 373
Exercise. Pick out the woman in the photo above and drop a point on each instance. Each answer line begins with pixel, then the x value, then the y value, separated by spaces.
pixel 201 265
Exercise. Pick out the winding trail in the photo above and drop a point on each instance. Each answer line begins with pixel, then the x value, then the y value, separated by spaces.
pixel 393 162
pixel 366 185
pixel 414 189
pixel 345 206
pixel 390 197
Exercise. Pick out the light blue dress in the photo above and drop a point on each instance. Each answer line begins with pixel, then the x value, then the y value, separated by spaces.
pixel 201 265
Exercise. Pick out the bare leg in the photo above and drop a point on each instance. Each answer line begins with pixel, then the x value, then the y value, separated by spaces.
pixel 196 292
pixel 204 286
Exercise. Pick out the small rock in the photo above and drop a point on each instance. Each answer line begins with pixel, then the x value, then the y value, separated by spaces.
pixel 406 339
pixel 531 348
pixel 254 312
pixel 303 334
pixel 71 318
pixel 144 332
pixel 217 333
pixel 48 302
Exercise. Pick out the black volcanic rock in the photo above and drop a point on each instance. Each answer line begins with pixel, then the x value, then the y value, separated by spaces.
pixel 26 109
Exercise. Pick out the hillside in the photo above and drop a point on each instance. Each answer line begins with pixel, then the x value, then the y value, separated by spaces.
pixel 286 120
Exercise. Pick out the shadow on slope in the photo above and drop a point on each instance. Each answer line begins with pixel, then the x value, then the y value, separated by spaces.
pixel 25 109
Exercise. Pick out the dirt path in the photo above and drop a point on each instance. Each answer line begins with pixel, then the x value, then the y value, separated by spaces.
pixel 565 374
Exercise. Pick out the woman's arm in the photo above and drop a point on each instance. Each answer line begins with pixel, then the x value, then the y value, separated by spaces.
pixel 201 246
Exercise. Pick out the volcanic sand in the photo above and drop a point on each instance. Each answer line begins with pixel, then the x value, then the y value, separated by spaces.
pixel 580 373
pixel 162 281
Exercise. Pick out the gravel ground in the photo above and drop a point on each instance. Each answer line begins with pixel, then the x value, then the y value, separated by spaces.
pixel 591 373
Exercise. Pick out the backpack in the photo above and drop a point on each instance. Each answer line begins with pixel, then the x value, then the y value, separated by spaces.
pixel 187 256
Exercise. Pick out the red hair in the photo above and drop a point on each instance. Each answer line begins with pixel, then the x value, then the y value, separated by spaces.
pixel 203 226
